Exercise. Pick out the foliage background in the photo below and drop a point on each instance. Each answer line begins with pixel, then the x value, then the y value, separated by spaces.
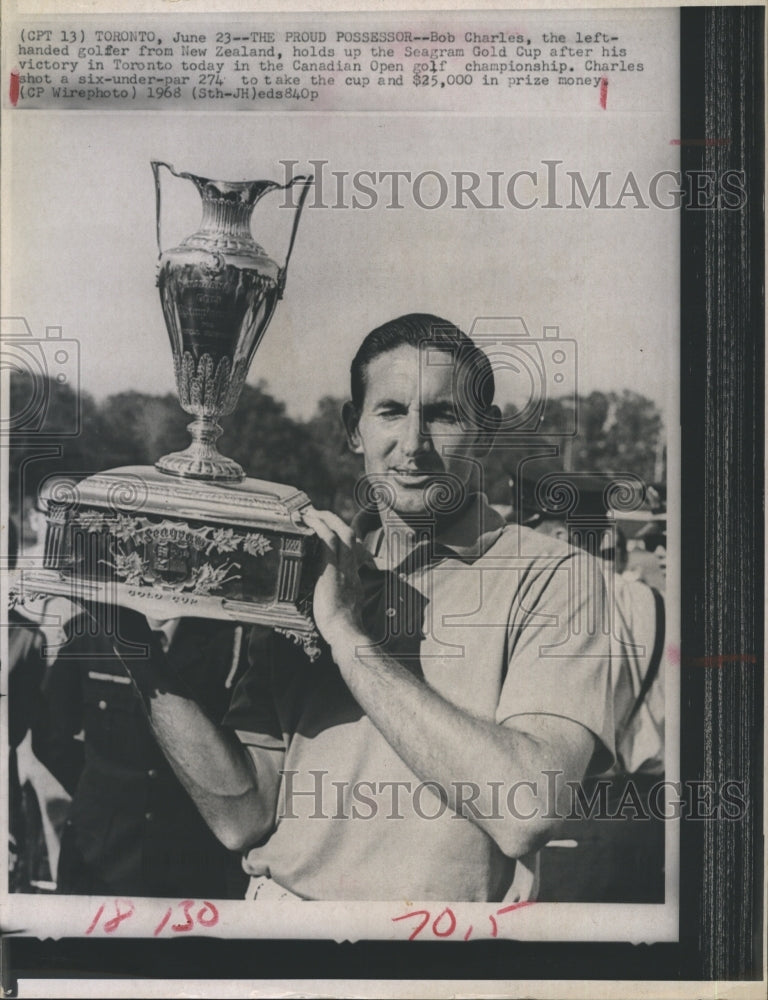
pixel 618 432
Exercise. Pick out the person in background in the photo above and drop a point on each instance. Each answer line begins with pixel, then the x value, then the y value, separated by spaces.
pixel 640 625
pixel 29 854
pixel 132 830
pixel 647 556
pixel 621 859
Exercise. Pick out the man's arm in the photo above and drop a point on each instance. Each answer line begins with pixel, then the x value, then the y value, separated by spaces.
pixel 437 740
pixel 234 788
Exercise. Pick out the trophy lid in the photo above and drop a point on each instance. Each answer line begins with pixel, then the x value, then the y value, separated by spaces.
pixel 145 490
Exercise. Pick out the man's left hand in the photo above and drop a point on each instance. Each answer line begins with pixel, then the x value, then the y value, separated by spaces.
pixel 337 603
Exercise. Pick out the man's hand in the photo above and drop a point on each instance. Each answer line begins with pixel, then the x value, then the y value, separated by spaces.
pixel 337 603
pixel 234 788
pixel 136 644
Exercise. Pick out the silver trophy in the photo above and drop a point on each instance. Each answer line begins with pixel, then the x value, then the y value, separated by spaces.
pixel 192 535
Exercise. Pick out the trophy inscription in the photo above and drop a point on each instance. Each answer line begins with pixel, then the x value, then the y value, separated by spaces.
pixel 193 535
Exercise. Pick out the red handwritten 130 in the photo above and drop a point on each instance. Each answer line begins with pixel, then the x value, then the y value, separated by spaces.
pixel 206 916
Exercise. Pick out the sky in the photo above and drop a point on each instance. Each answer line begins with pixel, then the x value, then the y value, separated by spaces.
pixel 83 253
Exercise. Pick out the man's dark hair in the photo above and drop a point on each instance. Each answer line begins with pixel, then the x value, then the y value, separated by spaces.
pixel 476 381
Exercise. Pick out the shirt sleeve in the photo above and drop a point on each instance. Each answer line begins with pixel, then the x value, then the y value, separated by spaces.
pixel 252 711
pixel 559 651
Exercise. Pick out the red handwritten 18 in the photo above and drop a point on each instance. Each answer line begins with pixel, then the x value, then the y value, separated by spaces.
pixel 111 925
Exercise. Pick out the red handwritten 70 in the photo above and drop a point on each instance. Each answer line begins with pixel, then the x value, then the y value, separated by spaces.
pixel 207 916
pixel 445 923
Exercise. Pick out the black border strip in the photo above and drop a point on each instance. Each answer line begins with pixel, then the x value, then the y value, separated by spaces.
pixel 722 412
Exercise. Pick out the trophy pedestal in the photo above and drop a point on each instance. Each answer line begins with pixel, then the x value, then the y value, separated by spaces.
pixel 202 459
pixel 169 547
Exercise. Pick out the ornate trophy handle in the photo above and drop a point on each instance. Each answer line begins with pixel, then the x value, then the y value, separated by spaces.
pixel 306 183
pixel 156 164
pixel 262 188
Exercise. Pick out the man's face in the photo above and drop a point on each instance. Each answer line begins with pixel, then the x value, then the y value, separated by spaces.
pixel 409 431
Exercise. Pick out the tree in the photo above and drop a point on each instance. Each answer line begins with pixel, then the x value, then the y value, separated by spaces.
pixel 633 434
pixel 330 439
pixel 53 430
pixel 139 428
pixel 271 445
pixel 616 432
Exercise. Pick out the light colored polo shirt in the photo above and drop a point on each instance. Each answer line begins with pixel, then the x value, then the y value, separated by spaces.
pixel 500 621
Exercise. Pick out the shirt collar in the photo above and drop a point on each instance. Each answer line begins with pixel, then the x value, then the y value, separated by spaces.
pixel 468 536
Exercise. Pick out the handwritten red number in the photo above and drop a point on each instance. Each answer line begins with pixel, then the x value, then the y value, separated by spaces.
pixel 189 924
pixel 120 915
pixel 212 919
pixel 207 916
pixel 507 909
pixel 451 927
pixel 95 919
pixel 163 922
pixel 415 913
pixel 515 906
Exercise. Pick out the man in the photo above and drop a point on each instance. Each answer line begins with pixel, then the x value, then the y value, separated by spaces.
pixel 132 830
pixel 32 835
pixel 621 860
pixel 415 759
pixel 27 856
pixel 647 562
pixel 637 623
pixel 640 616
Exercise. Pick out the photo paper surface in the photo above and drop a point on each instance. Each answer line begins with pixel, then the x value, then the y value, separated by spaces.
pixel 341 475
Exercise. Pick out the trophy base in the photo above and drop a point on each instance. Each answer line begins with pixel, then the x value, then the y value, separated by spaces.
pixel 169 549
